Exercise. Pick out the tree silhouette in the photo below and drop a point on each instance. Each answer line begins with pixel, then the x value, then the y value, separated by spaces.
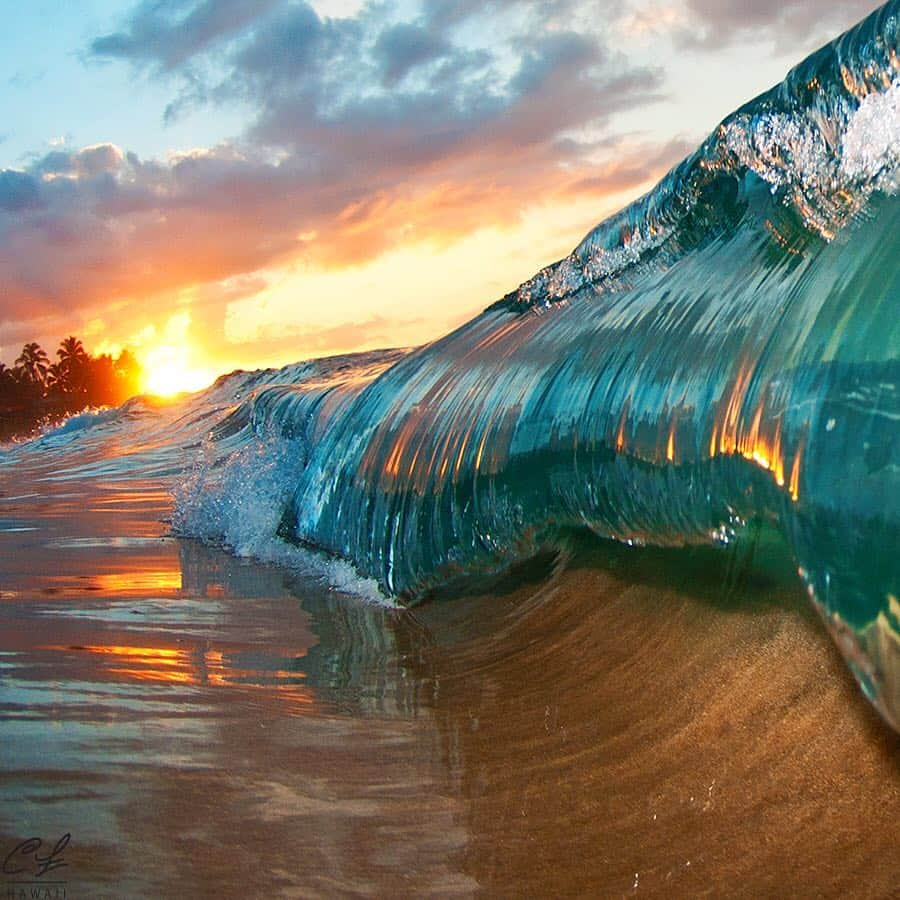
pixel 55 376
pixel 9 387
pixel 33 364
pixel 71 349
pixel 71 374
pixel 36 392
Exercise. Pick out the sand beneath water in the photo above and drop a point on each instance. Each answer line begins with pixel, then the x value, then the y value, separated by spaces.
pixel 622 723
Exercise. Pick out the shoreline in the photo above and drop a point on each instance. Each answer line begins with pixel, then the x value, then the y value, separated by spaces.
pixel 207 726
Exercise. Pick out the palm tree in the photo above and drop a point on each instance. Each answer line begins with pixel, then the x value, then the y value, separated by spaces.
pixel 33 363
pixel 55 377
pixel 7 379
pixel 70 373
pixel 71 351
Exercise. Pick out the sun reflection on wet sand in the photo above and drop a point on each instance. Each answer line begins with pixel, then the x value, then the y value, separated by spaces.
pixel 150 688
pixel 198 667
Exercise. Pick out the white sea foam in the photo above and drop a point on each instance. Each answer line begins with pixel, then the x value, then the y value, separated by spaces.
pixel 871 145
pixel 238 503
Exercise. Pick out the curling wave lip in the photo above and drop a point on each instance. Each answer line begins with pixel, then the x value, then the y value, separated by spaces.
pixel 725 349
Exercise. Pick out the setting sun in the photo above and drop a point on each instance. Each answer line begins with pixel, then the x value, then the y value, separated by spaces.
pixel 167 372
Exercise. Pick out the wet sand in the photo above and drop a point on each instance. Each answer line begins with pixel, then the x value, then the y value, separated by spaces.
pixel 627 723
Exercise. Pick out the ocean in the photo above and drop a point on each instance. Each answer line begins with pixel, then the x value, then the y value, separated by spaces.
pixel 597 595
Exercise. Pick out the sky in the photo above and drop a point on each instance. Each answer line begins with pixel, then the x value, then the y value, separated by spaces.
pixel 226 183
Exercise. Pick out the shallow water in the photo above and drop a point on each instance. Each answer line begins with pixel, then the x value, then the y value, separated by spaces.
pixel 610 721
pixel 558 715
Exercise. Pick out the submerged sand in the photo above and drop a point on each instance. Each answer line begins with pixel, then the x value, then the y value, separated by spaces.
pixel 622 722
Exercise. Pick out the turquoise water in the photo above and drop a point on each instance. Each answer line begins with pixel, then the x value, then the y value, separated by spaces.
pixel 724 352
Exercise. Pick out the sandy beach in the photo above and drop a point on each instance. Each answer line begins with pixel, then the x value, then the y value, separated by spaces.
pixel 622 723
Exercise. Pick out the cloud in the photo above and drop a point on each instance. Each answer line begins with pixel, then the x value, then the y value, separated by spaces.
pixel 462 102
pixel 168 33
pixel 714 24
pixel 402 47
pixel 368 133
pixel 294 45
pixel 634 166
pixel 554 13
pixel 18 192
pixel 89 162
pixel 371 332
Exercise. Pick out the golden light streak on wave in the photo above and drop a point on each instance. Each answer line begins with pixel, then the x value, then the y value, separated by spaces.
pixel 728 438
pixel 758 443
pixel 794 485
pixel 620 433
pixel 713 445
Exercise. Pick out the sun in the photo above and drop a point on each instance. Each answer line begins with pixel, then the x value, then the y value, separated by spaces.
pixel 167 372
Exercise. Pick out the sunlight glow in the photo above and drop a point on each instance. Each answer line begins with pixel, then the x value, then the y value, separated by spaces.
pixel 168 372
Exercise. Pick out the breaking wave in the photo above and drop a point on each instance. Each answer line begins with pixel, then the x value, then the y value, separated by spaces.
pixel 725 350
